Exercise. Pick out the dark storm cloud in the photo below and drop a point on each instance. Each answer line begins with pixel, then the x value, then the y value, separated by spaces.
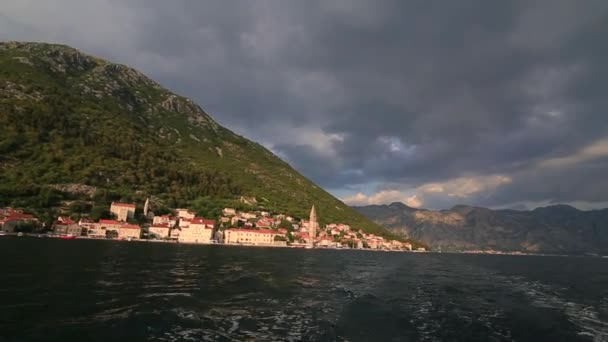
pixel 398 94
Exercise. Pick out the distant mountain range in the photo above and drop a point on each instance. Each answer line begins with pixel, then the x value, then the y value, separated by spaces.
pixel 553 229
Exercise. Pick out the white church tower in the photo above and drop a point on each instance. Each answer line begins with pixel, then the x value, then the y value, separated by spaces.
pixel 146 207
pixel 313 225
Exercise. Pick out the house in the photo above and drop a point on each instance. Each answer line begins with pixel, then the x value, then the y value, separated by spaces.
pixel 204 223
pixel 101 228
pixel 85 223
pixel 123 211
pixel 14 219
pixel 248 216
pixel 229 212
pixel 185 222
pixel 199 230
pixel 129 231
pixel 304 237
pixel 358 243
pixel 326 242
pixel 264 223
pixel 250 236
pixel 159 231
pixel 396 244
pixel 343 227
pixel 164 220
pixel 66 226
pixel 185 214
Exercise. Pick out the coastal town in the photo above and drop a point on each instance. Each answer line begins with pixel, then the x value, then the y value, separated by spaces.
pixel 234 227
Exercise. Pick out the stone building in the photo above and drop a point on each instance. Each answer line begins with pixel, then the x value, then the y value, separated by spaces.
pixel 123 211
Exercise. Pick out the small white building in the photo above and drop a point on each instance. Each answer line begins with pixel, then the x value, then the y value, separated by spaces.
pixel 185 214
pixel 164 220
pixel 229 212
pixel 159 231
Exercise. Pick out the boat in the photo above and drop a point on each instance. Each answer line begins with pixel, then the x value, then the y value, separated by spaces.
pixel 67 237
pixel 19 234
pixel 2 233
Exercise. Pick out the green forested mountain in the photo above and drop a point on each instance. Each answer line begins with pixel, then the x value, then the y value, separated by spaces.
pixel 70 118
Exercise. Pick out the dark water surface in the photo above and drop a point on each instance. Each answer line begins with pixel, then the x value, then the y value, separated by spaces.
pixel 54 290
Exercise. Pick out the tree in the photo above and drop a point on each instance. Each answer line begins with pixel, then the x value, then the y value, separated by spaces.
pixel 80 207
pixel 287 225
pixel 101 212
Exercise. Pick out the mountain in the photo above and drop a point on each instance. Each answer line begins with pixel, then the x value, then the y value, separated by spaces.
pixel 78 132
pixel 553 229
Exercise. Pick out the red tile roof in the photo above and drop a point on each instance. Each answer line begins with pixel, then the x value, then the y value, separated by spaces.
pixel 130 226
pixel 18 216
pixel 65 220
pixel 166 225
pixel 259 231
pixel 109 222
pixel 200 220
pixel 126 205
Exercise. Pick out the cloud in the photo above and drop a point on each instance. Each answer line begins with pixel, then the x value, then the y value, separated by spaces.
pixel 383 197
pixel 373 97
pixel 596 150
pixel 466 189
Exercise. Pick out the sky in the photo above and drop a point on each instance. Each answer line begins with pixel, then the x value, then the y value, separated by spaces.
pixel 432 103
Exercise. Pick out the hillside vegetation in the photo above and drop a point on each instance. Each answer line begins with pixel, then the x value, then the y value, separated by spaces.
pixel 71 118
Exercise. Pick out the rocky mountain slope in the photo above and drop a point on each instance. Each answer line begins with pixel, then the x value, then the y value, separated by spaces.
pixel 556 229
pixel 76 128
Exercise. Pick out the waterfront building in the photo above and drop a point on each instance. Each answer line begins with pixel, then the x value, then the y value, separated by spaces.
pixel 66 226
pixel 123 211
pixel 326 242
pixel 250 236
pixel 199 230
pixel 129 231
pixel 101 228
pixel 159 231
pixel 85 223
pixel 14 218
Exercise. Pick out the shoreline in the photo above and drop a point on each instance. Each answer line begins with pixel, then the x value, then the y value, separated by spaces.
pixel 173 242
